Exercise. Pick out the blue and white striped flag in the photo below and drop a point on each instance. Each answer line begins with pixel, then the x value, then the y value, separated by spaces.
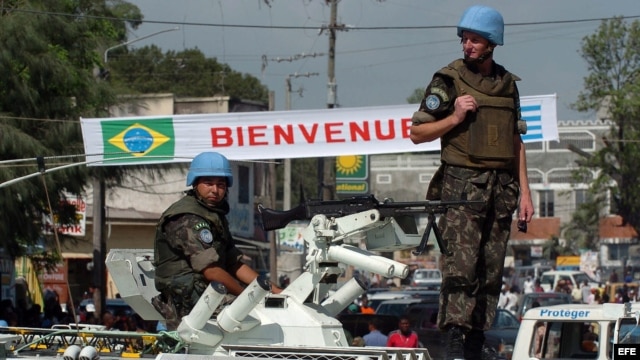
pixel 540 114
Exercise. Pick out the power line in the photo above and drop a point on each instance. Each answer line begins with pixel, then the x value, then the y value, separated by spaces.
pixel 283 27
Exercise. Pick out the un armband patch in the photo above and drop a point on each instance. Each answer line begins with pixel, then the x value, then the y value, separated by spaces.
pixel 205 236
pixel 432 102
pixel 436 99
pixel 204 233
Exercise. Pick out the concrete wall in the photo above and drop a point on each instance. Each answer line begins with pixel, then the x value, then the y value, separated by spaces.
pixel 144 105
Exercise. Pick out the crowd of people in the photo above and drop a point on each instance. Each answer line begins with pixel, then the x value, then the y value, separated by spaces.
pixel 403 336
pixel 54 314
pixel 612 291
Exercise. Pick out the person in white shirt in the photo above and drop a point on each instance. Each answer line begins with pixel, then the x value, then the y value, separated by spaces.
pixel 528 285
pixel 512 300
pixel 502 300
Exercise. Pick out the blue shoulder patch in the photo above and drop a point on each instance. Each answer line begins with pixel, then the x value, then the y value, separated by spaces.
pixel 205 236
pixel 432 102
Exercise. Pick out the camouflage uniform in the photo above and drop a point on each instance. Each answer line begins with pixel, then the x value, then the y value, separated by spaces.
pixel 190 237
pixel 477 235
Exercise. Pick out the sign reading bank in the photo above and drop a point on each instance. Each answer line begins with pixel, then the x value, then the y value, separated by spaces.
pixel 275 134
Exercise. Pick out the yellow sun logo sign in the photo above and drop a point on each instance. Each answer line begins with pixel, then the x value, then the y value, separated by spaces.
pixel 351 167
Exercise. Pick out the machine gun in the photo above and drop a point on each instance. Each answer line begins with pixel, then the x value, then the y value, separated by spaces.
pixel 402 212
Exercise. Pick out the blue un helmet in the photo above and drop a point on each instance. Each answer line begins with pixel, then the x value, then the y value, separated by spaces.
pixel 484 21
pixel 209 164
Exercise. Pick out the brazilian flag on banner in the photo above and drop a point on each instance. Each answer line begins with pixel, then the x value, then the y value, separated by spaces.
pixel 139 138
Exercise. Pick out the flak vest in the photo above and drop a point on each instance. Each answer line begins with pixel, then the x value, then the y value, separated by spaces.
pixel 485 138
pixel 175 263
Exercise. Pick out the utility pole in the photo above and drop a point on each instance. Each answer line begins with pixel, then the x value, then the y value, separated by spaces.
pixel 326 166
pixel 273 245
pixel 286 200
pixel 287 162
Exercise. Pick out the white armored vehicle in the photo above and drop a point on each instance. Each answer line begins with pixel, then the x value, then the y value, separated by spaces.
pixel 302 318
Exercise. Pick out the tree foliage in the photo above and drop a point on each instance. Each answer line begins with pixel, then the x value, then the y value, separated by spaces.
pixel 612 54
pixel 186 73
pixel 416 96
pixel 583 229
pixel 49 51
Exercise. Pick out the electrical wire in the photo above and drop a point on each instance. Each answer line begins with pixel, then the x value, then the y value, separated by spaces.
pixel 287 27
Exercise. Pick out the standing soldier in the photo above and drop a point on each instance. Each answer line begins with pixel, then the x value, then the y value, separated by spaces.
pixel 473 106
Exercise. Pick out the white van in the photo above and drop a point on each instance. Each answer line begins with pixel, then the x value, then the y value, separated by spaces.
pixel 549 279
pixel 426 278
pixel 571 331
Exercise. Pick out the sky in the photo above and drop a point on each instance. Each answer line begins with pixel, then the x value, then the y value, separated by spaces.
pixel 376 65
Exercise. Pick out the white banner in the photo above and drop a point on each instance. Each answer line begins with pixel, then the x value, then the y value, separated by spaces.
pixel 277 134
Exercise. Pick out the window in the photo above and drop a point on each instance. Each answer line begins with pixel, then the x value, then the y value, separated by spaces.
pixel 535 176
pixel 383 179
pixel 546 203
pixel 534 146
pixel 618 251
pixel 243 184
pixel 581 196
pixel 567 340
pixel 560 176
pixel 583 140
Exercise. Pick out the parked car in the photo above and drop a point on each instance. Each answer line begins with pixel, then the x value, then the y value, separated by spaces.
pixel 428 293
pixel 426 278
pixel 376 298
pixel 397 307
pixel 503 332
pixel 424 317
pixel 549 279
pixel 543 299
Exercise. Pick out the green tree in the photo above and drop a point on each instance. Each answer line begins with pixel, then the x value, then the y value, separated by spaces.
pixel 582 230
pixel 186 73
pixel 49 53
pixel 612 87
pixel 416 97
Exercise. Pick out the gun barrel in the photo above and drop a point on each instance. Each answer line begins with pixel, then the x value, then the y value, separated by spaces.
pixel 343 296
pixel 365 261
pixel 206 305
pixel 399 269
pixel 230 319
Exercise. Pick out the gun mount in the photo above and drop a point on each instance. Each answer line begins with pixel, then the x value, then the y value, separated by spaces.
pixel 304 313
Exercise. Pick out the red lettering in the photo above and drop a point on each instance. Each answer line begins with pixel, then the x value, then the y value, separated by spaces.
pixel 240 136
pixel 359 131
pixel 334 132
pixel 255 133
pixel 390 135
pixel 405 124
pixel 281 135
pixel 221 137
pixel 309 136
pixel 330 132
pixel 78 203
